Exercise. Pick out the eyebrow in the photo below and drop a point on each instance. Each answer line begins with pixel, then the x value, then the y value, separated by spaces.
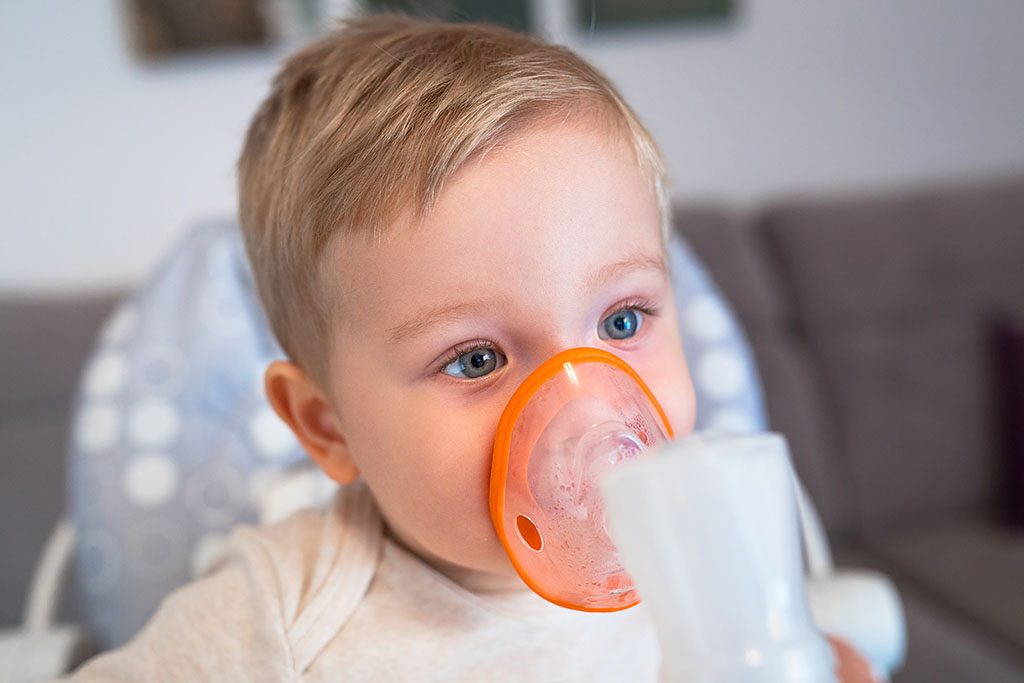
pixel 622 267
pixel 445 312
pixel 455 310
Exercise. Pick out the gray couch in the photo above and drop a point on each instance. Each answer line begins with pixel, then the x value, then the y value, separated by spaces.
pixel 869 319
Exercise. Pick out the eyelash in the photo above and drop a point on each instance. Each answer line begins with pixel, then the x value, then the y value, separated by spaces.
pixel 645 306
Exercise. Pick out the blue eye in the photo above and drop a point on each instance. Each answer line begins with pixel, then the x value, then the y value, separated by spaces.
pixel 621 324
pixel 475 363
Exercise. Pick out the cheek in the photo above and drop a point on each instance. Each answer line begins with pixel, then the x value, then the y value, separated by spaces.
pixel 429 451
pixel 425 452
pixel 428 462
pixel 674 391
pixel 680 402
pixel 667 374
pixel 453 446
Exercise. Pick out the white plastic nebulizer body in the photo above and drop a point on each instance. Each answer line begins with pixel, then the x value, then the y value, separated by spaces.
pixel 708 529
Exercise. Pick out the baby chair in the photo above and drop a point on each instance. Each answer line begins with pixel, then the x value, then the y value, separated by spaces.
pixel 174 443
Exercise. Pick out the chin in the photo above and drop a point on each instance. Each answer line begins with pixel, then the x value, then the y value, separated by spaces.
pixel 482 555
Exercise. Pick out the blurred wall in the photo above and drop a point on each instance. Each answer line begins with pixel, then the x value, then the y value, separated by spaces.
pixel 106 160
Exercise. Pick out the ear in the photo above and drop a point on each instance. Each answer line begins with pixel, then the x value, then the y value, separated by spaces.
pixel 299 402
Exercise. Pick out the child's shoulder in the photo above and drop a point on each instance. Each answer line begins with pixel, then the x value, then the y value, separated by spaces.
pixel 313 558
pixel 290 543
pixel 236 621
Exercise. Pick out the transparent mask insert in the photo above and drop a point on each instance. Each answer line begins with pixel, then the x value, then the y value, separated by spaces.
pixel 582 422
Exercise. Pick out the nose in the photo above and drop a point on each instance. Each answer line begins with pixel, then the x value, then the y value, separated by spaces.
pixel 576 417
pixel 551 345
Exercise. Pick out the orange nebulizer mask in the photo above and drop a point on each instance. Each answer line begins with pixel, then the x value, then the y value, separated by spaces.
pixel 577 416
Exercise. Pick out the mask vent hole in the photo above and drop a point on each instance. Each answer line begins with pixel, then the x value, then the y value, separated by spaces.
pixel 528 532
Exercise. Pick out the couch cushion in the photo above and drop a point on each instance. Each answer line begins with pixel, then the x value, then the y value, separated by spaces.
pixel 46 340
pixel 942 645
pixel 792 384
pixel 727 247
pixel 797 409
pixel 948 249
pixel 969 565
pixel 915 417
pixel 44 343
pixel 1008 367
pixel 892 296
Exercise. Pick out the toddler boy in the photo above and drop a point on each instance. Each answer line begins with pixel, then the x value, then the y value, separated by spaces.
pixel 431 210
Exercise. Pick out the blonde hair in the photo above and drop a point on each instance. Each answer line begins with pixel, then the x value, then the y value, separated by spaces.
pixel 372 119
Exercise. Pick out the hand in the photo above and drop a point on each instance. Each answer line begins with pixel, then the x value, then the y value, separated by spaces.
pixel 850 666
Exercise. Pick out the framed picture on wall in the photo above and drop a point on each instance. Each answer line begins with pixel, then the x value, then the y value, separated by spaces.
pixel 514 14
pixel 160 28
pixel 610 14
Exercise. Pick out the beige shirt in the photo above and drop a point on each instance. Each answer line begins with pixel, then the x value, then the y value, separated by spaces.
pixel 327 596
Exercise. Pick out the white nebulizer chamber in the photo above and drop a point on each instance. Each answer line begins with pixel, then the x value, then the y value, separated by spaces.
pixel 709 529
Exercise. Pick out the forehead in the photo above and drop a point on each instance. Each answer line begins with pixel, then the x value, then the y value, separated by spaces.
pixel 526 222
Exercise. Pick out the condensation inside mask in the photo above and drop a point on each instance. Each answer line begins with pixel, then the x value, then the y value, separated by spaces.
pixel 580 422
pixel 582 442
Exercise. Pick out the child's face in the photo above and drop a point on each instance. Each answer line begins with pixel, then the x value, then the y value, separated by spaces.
pixel 535 248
